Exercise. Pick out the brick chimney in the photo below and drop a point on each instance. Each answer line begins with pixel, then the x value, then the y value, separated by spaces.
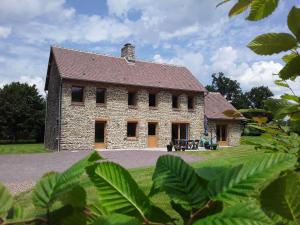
pixel 128 52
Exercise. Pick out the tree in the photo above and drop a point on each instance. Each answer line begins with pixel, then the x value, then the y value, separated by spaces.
pixel 230 89
pixel 22 112
pixel 257 96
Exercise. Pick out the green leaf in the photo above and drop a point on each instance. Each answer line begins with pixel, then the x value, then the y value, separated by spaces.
pixel 239 7
pixel 55 185
pixel 291 69
pixel 245 180
pixel 283 197
pixel 180 181
pixel 261 9
pixel 6 201
pixel 287 58
pixel 293 22
pixel 43 190
pixel 271 43
pixel 117 219
pixel 117 190
pixel 243 213
pixel 288 97
pixel 281 83
pixel 211 173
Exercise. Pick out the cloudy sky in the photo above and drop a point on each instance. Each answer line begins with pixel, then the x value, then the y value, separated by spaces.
pixel 192 33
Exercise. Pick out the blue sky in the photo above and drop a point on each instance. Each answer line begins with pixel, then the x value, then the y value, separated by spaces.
pixel 192 33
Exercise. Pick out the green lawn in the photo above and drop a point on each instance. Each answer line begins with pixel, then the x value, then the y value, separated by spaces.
pixel 220 158
pixel 21 148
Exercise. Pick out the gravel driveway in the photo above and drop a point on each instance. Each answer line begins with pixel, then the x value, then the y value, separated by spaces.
pixel 20 172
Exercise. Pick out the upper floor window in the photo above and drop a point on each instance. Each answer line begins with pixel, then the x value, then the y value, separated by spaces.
pixel 152 100
pixel 191 103
pixel 77 94
pixel 132 98
pixel 100 95
pixel 175 102
pixel 131 129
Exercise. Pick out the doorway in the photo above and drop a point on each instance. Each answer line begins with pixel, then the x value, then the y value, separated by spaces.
pixel 222 135
pixel 100 134
pixel 152 135
pixel 180 131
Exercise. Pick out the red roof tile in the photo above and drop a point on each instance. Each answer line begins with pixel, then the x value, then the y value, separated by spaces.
pixel 93 67
pixel 215 105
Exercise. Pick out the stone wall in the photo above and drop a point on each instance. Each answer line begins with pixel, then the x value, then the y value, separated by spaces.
pixel 52 113
pixel 78 121
pixel 234 130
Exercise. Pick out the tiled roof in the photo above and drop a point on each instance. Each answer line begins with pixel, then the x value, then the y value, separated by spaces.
pixel 215 105
pixel 77 65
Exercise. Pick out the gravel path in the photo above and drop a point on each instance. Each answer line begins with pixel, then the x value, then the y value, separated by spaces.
pixel 20 172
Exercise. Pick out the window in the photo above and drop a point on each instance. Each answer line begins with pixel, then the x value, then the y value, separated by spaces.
pixel 131 129
pixel 77 94
pixel 132 98
pixel 191 102
pixel 100 95
pixel 175 102
pixel 152 100
pixel 151 128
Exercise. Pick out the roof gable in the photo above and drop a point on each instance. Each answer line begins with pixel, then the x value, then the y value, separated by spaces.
pixel 215 105
pixel 93 67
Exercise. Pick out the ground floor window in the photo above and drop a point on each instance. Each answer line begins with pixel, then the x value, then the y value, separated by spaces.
pixel 131 129
pixel 180 131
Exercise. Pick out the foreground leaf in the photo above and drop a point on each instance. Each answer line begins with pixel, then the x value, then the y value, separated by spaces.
pixel 261 9
pixel 272 43
pixel 117 219
pixel 179 180
pixel 283 197
pixel 293 22
pixel 291 69
pixel 245 180
pixel 6 201
pixel 118 192
pixel 239 7
pixel 56 185
pixel 242 213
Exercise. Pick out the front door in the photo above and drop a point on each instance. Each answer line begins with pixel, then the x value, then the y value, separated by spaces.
pixel 100 134
pixel 222 135
pixel 152 135
pixel 180 131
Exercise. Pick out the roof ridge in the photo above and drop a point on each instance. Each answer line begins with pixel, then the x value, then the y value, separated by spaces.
pixel 112 56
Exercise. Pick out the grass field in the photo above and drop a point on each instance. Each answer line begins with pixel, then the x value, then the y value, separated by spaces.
pixel 21 148
pixel 220 158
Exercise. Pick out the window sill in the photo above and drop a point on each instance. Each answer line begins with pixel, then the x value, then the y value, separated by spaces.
pixel 153 107
pixel 132 107
pixel 100 105
pixel 191 110
pixel 175 109
pixel 77 103
pixel 131 138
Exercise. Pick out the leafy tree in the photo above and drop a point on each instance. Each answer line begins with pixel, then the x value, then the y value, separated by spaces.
pixel 22 112
pixel 230 89
pixel 257 96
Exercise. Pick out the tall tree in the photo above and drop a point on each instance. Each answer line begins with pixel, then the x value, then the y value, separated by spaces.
pixel 257 96
pixel 22 112
pixel 227 87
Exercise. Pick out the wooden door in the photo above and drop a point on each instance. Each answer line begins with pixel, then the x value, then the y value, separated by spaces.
pixel 222 135
pixel 152 135
pixel 100 134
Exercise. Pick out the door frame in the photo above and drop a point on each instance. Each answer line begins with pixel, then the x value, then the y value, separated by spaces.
pixel 222 142
pixel 101 145
pixel 156 133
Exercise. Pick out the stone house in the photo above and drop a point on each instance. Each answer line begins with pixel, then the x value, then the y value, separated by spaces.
pixel 98 101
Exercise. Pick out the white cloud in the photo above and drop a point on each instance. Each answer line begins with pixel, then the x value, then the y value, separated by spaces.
pixel 27 9
pixel 37 81
pixel 5 31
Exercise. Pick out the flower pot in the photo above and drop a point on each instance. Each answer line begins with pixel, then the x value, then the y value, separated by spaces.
pixel 169 148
